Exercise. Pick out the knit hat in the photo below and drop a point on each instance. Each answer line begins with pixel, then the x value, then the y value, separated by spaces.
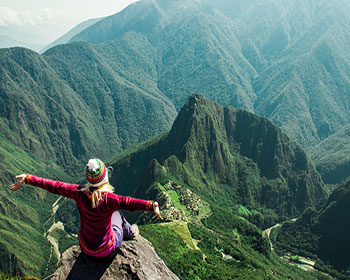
pixel 96 173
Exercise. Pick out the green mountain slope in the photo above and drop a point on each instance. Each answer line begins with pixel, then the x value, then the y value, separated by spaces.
pixel 332 157
pixel 202 54
pixel 283 60
pixel 217 170
pixel 323 235
pixel 37 106
pixel 125 113
pixel 229 156
pixel 67 110
pixel 25 215
pixel 302 65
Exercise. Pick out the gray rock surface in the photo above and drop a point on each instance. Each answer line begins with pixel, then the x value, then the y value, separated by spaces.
pixel 136 260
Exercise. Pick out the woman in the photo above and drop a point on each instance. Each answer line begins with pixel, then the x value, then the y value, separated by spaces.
pixel 102 227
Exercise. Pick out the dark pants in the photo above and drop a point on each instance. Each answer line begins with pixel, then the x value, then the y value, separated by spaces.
pixel 121 228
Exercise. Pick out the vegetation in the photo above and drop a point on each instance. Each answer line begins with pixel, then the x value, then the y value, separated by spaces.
pixel 49 130
pixel 213 151
pixel 209 185
pixel 278 60
pixel 321 235
pixel 220 253
pixel 23 215
pixel 332 157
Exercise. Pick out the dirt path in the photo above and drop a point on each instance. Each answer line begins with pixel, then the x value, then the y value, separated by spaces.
pixel 54 243
pixel 268 233
pixel 48 234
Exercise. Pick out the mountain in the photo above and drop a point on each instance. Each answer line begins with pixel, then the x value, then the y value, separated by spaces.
pixel 229 156
pixel 283 60
pixel 66 120
pixel 332 157
pixel 217 171
pixel 8 42
pixel 75 30
pixel 323 235
pixel 309 76
pixel 223 50
pixel 196 59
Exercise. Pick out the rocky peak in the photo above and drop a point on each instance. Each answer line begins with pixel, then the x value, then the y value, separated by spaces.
pixel 135 260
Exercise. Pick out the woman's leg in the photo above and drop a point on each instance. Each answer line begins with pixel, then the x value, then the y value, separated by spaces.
pixel 121 228
pixel 117 227
pixel 128 230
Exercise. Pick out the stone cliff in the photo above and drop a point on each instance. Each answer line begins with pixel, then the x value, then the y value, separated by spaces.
pixel 135 260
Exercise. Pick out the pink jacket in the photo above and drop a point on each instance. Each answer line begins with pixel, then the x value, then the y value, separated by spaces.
pixel 95 236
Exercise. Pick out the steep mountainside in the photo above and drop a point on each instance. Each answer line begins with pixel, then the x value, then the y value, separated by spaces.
pixel 201 53
pixel 332 157
pixel 68 111
pixel 217 170
pixel 285 60
pixel 231 157
pixel 322 234
pixel 305 90
pixel 25 216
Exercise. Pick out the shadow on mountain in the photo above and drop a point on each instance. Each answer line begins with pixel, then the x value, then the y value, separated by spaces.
pixel 88 268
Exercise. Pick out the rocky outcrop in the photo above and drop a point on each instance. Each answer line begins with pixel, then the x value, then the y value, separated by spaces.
pixel 135 260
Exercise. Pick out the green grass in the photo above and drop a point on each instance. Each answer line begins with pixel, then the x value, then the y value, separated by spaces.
pixel 241 210
pixel 181 229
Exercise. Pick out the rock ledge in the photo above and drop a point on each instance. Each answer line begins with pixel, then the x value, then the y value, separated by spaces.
pixel 136 260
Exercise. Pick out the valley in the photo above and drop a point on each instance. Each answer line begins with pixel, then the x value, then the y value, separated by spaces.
pixel 304 263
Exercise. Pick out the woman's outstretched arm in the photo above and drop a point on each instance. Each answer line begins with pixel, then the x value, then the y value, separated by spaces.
pixel 56 187
pixel 118 202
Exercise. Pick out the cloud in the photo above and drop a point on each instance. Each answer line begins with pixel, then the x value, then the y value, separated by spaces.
pixel 22 18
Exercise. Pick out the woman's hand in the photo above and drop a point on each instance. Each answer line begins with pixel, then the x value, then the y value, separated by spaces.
pixel 156 210
pixel 16 186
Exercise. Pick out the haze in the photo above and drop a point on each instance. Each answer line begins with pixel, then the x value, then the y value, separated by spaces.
pixel 42 21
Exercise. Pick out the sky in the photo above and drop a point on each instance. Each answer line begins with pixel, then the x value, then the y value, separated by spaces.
pixel 43 21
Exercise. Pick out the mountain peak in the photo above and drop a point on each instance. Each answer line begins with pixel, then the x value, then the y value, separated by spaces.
pixel 212 147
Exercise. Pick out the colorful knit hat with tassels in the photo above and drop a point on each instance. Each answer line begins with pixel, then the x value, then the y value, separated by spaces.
pixel 96 173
